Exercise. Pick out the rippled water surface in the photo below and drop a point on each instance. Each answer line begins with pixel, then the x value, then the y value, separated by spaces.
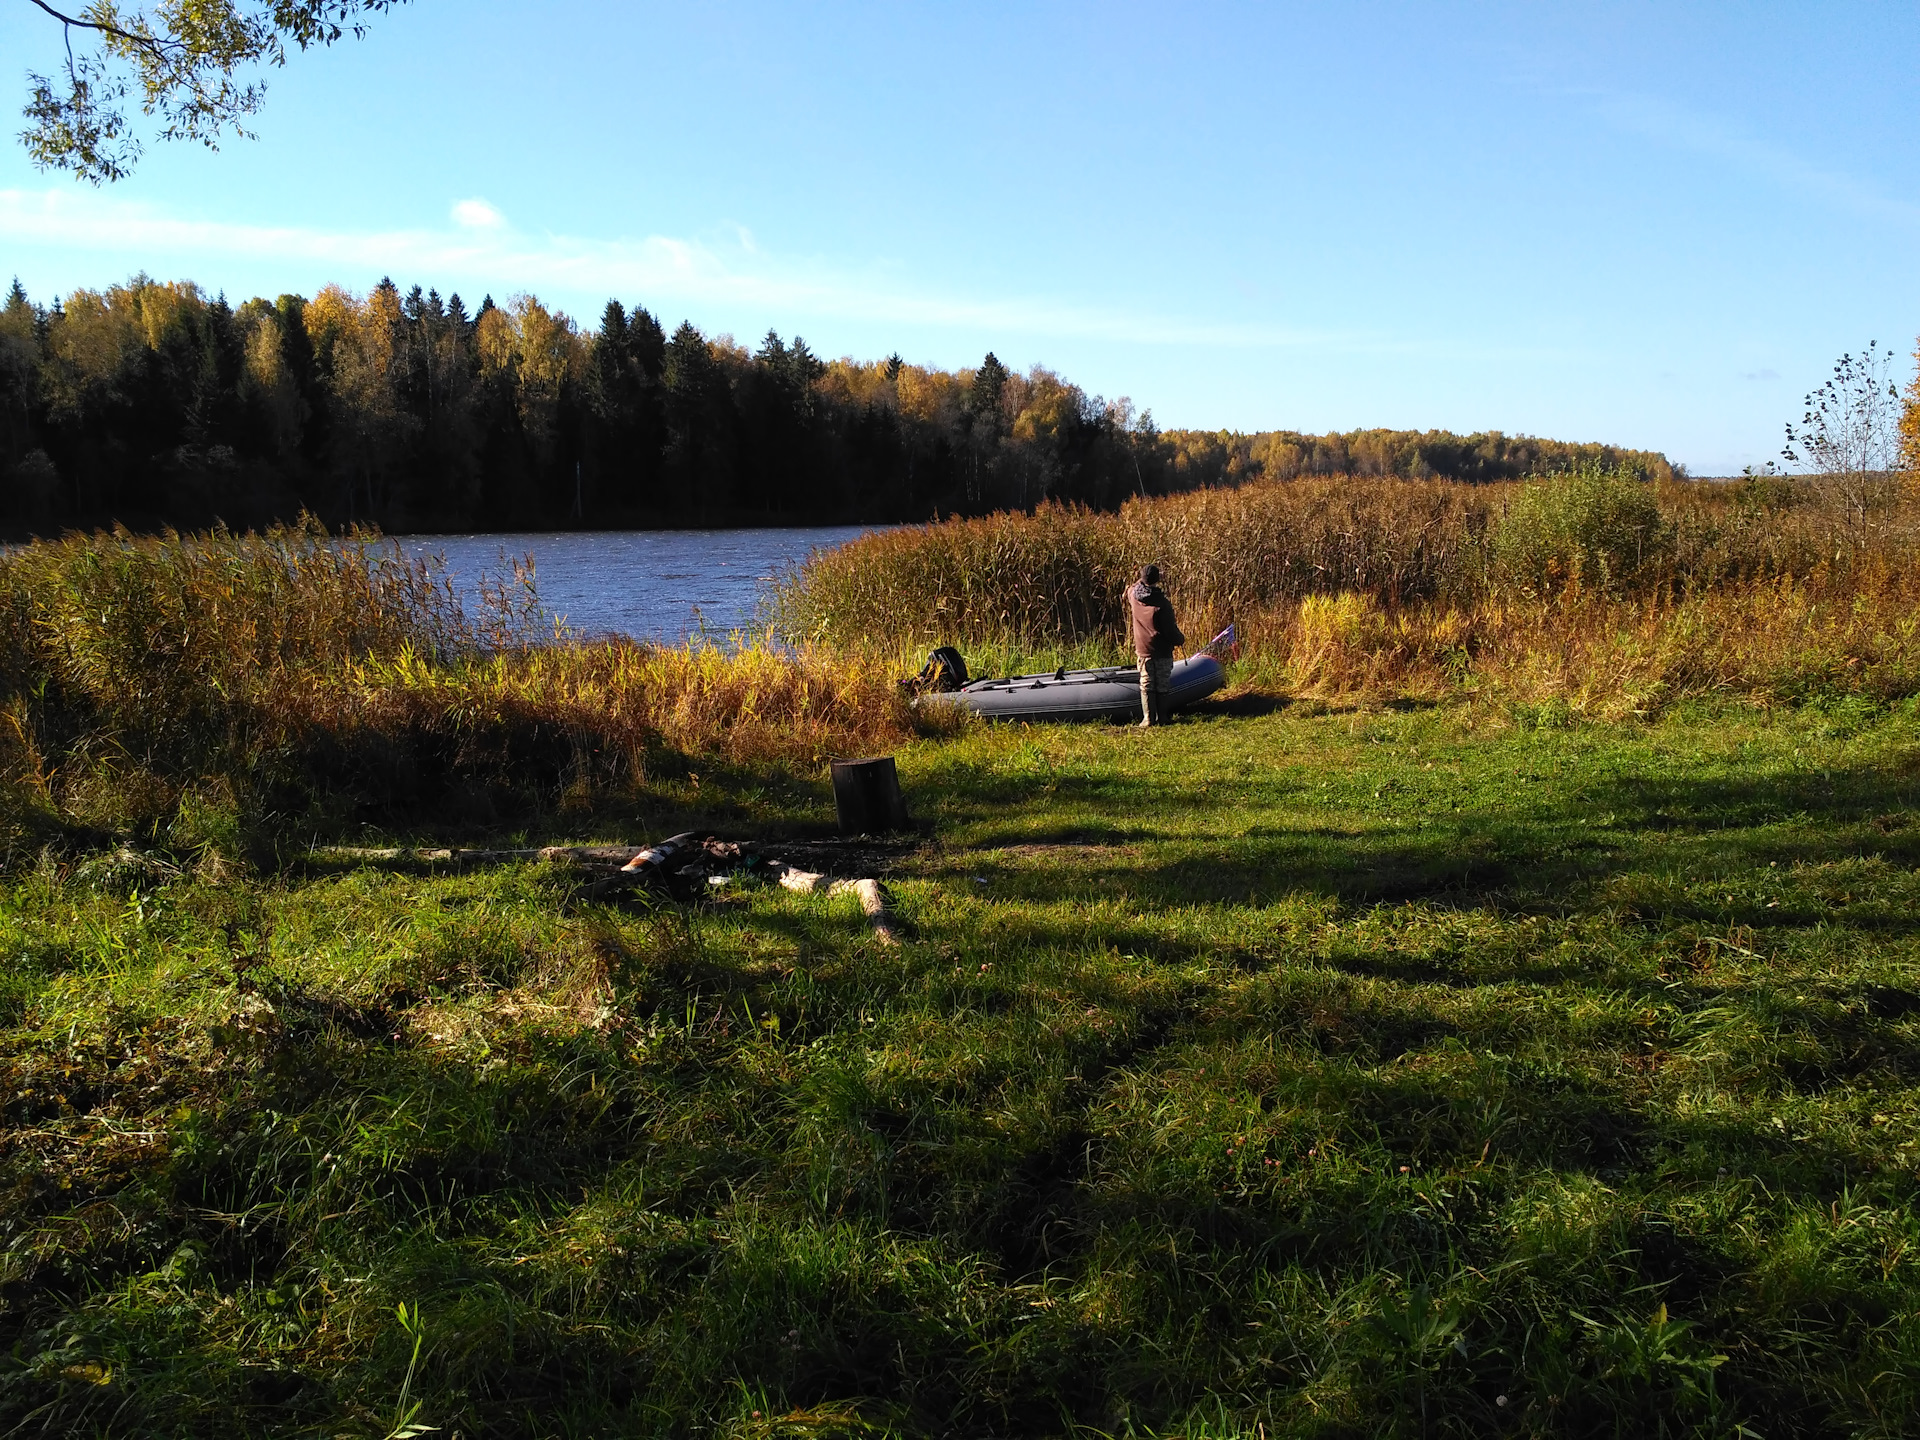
pixel 651 584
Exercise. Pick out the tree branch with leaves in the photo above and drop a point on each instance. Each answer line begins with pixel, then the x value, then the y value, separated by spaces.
pixel 183 62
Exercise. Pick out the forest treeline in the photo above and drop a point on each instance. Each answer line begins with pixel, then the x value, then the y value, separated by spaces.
pixel 151 404
pixel 1198 459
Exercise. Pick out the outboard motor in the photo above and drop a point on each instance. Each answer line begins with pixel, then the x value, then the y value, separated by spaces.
pixel 944 672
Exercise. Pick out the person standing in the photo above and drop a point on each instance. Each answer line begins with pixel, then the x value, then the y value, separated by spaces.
pixel 1155 634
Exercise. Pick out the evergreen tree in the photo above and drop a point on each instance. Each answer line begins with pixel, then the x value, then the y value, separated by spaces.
pixel 984 395
pixel 623 447
pixel 700 423
pixel 985 399
pixel 803 366
pixel 19 359
pixel 296 353
pixel 649 343
pixel 689 361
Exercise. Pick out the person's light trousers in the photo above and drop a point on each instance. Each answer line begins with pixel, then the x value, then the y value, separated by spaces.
pixel 1156 678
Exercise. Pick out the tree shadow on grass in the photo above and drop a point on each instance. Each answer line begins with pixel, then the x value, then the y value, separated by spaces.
pixel 1538 858
pixel 1029 1177
pixel 1877 799
pixel 1061 1140
pixel 1250 705
pixel 1456 866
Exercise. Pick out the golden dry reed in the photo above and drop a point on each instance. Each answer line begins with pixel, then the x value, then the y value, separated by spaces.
pixel 617 703
pixel 1593 591
pixel 1057 575
pixel 304 677
pixel 176 685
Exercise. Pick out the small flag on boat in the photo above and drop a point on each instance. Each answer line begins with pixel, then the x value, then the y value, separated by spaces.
pixel 1225 642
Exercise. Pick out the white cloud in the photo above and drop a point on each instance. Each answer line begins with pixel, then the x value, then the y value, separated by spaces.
pixel 477 214
pixel 483 252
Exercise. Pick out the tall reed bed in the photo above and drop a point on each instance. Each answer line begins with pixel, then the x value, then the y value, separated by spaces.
pixel 154 642
pixel 1604 656
pixel 1592 590
pixel 209 686
pixel 1057 575
pixel 611 712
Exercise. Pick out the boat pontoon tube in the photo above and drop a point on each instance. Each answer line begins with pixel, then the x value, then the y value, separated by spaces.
pixel 1112 693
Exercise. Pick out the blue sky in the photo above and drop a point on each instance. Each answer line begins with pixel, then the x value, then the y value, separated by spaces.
pixel 1650 224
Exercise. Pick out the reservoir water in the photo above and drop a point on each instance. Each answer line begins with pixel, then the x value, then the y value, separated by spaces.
pixel 658 585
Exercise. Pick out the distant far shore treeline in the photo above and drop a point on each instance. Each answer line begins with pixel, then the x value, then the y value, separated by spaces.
pixel 151 405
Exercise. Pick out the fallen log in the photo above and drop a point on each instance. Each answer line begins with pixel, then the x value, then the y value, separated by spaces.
pixel 873 897
pixel 426 855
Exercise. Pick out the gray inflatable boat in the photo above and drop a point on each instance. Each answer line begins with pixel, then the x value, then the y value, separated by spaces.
pixel 1112 693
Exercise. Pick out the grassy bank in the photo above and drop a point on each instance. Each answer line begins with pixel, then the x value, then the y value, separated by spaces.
pixel 1394 1050
pixel 1411 1071
pixel 252 694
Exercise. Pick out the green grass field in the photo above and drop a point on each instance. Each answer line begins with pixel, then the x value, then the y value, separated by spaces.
pixel 1398 1072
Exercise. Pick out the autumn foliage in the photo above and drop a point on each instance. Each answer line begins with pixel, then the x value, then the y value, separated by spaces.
pixel 150 404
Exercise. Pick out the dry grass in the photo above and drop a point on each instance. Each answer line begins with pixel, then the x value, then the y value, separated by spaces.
pixel 1589 592
pixel 195 689
pixel 1599 656
pixel 213 692
pixel 1056 575
pixel 610 707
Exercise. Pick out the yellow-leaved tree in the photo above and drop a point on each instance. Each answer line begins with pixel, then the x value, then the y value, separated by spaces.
pixel 540 350
pixel 265 382
pixel 96 341
pixel 353 343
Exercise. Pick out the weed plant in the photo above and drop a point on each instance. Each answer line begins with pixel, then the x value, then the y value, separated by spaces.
pixel 1595 530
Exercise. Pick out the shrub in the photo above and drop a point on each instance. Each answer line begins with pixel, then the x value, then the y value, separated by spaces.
pixel 1590 529
pixel 1056 574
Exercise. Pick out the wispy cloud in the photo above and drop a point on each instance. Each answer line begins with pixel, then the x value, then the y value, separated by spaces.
pixel 483 249
pixel 1678 127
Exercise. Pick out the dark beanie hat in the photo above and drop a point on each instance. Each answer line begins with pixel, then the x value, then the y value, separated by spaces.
pixel 1150 574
